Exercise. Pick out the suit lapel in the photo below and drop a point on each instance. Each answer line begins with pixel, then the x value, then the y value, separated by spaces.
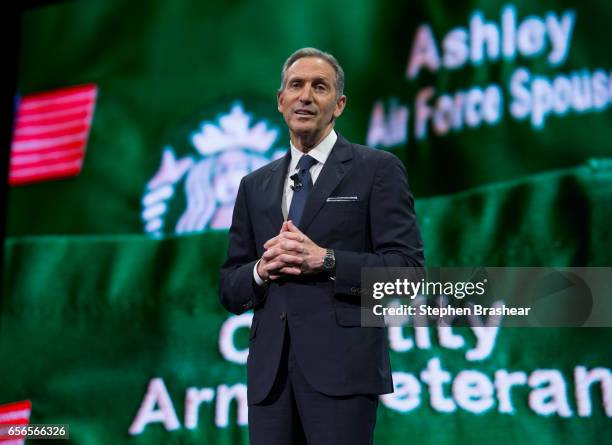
pixel 334 170
pixel 273 192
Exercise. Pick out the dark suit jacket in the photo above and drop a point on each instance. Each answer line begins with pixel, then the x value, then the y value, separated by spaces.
pixel 379 228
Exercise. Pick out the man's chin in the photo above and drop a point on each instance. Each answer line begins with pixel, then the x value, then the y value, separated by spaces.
pixel 303 130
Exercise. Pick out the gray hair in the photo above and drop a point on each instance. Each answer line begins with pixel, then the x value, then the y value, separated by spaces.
pixel 313 52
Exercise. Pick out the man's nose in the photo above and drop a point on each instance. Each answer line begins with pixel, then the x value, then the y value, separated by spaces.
pixel 306 94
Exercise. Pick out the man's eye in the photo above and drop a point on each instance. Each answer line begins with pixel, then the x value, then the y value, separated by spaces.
pixel 321 87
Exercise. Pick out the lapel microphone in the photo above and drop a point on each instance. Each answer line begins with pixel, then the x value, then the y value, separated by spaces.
pixel 297 185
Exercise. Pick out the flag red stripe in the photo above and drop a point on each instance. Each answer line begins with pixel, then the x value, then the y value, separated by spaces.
pixel 60 172
pixel 49 142
pixel 45 165
pixel 12 441
pixel 55 117
pixel 61 92
pixel 82 128
pixel 54 107
pixel 66 146
pixel 29 129
pixel 29 104
pixel 24 404
pixel 35 158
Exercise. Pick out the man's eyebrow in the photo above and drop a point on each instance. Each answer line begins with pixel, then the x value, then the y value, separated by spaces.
pixel 313 79
pixel 320 79
pixel 294 79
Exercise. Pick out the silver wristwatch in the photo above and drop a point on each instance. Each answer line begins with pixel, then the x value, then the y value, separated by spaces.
pixel 329 262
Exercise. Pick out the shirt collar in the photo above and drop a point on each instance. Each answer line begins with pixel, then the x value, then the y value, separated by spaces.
pixel 320 152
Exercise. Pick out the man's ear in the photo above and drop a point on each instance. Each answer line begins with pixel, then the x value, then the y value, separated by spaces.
pixel 340 104
pixel 279 100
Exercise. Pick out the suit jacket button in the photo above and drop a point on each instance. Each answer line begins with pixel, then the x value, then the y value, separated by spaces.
pixel 283 315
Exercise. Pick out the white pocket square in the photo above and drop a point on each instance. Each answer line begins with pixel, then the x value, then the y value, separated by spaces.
pixel 342 198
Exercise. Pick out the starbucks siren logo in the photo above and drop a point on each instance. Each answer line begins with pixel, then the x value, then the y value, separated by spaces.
pixel 229 151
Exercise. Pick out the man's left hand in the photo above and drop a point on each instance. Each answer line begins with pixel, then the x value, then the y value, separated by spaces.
pixel 312 255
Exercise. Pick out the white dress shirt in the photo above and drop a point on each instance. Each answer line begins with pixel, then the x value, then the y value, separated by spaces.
pixel 320 153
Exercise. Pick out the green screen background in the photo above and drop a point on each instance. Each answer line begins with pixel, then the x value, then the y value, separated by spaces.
pixel 93 308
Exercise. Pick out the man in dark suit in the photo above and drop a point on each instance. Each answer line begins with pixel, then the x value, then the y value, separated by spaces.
pixel 303 227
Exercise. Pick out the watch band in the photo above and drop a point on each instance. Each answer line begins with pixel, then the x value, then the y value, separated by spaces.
pixel 329 262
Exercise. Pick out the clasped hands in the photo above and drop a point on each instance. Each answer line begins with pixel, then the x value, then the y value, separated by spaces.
pixel 290 253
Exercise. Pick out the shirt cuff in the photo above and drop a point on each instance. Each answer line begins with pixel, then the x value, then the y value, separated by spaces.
pixel 258 280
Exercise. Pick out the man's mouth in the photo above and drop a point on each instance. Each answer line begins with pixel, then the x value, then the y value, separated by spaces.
pixel 303 112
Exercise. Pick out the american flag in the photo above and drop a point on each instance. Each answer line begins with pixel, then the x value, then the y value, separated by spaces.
pixel 50 134
pixel 17 413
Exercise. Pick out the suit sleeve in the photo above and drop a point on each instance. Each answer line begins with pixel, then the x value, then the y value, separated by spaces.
pixel 396 240
pixel 238 291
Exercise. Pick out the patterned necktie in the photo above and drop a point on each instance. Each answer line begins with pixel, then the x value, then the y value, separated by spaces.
pixel 301 189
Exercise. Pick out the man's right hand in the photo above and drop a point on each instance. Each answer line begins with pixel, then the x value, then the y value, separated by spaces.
pixel 281 253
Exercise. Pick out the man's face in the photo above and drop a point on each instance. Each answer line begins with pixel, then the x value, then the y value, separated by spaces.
pixel 308 101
